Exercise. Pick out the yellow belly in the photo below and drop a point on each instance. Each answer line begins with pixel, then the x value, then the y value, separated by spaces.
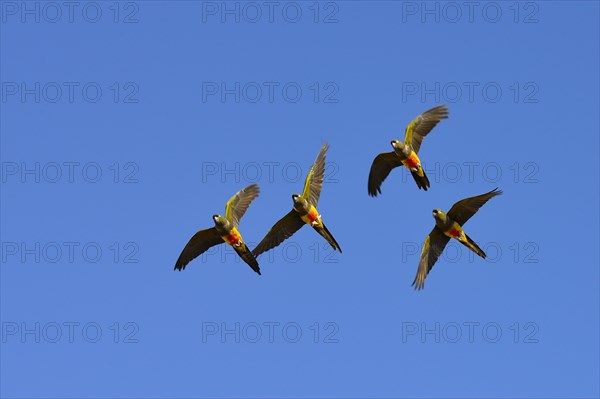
pixel 311 216
pixel 234 237
pixel 455 232
pixel 412 161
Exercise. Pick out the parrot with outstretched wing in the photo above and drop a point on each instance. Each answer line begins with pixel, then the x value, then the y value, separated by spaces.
pixel 225 230
pixel 406 153
pixel 303 212
pixel 450 225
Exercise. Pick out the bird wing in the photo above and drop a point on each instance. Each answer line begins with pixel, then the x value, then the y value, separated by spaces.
pixel 283 229
pixel 314 180
pixel 200 242
pixel 422 125
pixel 464 209
pixel 432 249
pixel 380 169
pixel 239 203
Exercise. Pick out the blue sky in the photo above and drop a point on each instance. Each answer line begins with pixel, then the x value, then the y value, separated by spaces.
pixel 125 126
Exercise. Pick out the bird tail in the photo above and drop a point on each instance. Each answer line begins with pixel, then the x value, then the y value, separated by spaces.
pixel 324 231
pixel 247 256
pixel 422 181
pixel 473 246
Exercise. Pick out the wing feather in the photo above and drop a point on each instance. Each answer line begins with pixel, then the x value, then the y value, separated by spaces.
pixel 314 179
pixel 199 243
pixel 464 209
pixel 423 124
pixel 432 249
pixel 239 203
pixel 282 230
pixel 380 169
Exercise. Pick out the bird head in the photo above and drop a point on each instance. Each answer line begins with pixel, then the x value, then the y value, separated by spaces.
pixel 298 200
pixel 438 214
pixel 219 220
pixel 397 145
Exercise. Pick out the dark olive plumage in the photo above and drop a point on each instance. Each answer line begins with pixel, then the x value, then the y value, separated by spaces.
pixel 415 132
pixel 303 205
pixel 224 226
pixel 437 239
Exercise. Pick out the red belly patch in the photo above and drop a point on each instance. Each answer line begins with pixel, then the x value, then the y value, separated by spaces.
pixel 312 215
pixel 453 232
pixel 233 238
pixel 412 161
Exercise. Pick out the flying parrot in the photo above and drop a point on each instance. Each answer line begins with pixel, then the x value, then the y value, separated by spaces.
pixel 303 212
pixel 447 226
pixel 406 153
pixel 225 230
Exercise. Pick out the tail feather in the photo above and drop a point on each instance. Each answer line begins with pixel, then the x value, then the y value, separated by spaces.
pixel 422 181
pixel 473 246
pixel 329 237
pixel 247 256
